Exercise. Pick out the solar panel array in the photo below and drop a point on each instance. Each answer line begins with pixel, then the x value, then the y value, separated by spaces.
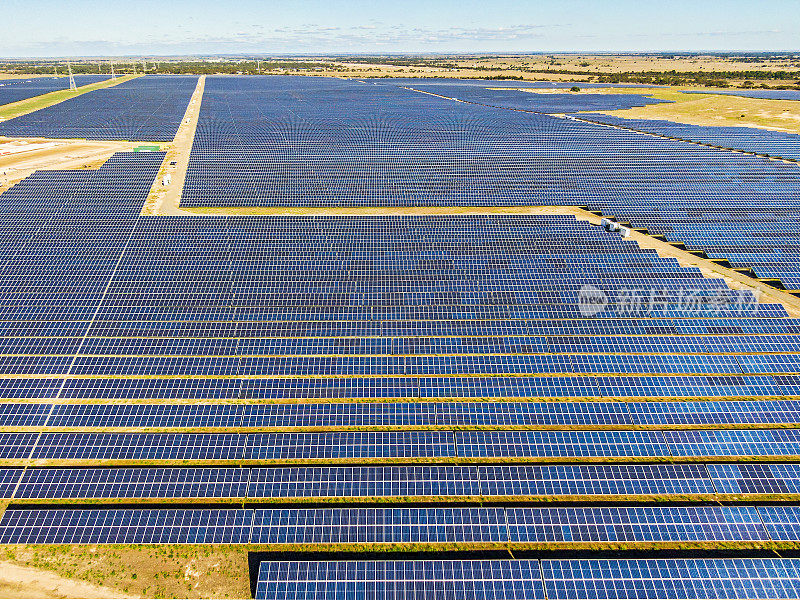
pixel 335 143
pixel 439 377
pixel 489 94
pixel 15 90
pixel 505 83
pixel 266 309
pixel 145 108
pixel 407 445
pixel 403 482
pixel 442 525
pixel 295 141
pixel 309 416
pixel 760 235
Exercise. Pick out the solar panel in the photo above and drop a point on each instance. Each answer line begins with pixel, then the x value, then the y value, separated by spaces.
pixel 471 580
pixel 16 90
pixel 188 482
pixel 379 526
pixel 721 579
pixel 126 526
pixel 403 481
pixel 755 478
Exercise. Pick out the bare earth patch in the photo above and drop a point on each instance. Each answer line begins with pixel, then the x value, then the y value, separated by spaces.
pixel 123 571
pixel 24 582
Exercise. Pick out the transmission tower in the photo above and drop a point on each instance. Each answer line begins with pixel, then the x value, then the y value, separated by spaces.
pixel 72 85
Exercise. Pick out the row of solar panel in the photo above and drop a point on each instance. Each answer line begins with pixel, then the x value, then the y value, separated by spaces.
pixel 712 320
pixel 637 304
pixel 430 482
pixel 566 579
pixel 746 317
pixel 403 365
pixel 390 414
pixel 367 387
pixel 399 445
pixel 446 525
pixel 285 347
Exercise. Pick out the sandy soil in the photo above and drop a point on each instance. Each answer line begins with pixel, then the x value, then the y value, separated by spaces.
pixel 24 582
pixel 118 571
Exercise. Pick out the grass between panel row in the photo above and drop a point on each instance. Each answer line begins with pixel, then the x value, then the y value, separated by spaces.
pixel 400 399
pixel 366 501
pixel 383 428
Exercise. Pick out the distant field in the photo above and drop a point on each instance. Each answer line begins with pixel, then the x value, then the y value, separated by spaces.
pixel 22 76
pixel 581 67
pixel 715 109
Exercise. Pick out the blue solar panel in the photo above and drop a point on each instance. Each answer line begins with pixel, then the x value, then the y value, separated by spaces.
pixel 146 108
pixel 410 580
pixel 402 481
pixel 189 482
pixel 126 526
pixel 755 478
pixel 217 354
pixel 645 579
pixel 642 579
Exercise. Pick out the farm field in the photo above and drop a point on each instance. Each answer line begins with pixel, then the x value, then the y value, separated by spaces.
pixel 273 335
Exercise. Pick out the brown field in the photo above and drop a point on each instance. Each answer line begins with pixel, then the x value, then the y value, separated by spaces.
pixel 545 67
pixel 123 572
pixel 23 76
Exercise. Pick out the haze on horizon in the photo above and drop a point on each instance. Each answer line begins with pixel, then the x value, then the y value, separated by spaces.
pixel 45 28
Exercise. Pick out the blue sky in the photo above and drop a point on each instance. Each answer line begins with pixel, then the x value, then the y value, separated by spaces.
pixel 156 27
